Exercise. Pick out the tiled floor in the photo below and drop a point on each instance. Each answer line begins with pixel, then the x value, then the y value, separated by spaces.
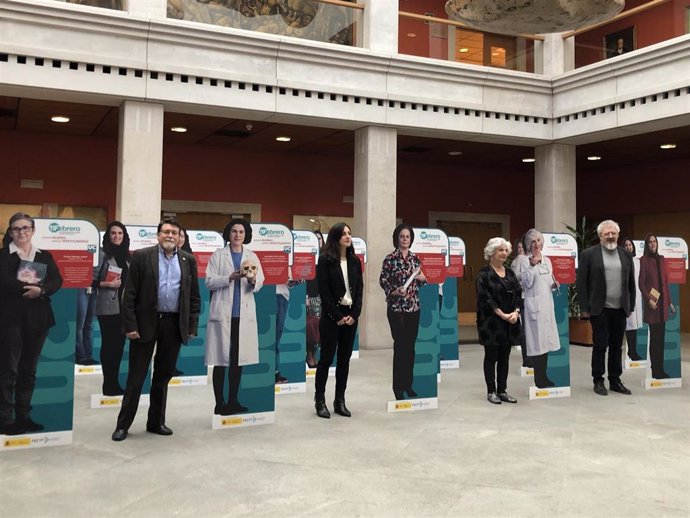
pixel 586 455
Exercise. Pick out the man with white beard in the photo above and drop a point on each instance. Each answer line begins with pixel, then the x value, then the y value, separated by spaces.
pixel 606 293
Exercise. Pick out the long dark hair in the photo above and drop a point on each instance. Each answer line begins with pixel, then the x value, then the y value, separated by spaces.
pixel 186 246
pixel 332 247
pixel 647 252
pixel 118 252
pixel 634 252
pixel 323 241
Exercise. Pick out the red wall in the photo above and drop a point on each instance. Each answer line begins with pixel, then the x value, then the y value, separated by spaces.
pixel 653 26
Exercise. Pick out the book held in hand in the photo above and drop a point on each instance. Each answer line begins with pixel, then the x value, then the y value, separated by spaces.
pixel 654 295
pixel 31 272
pixel 113 273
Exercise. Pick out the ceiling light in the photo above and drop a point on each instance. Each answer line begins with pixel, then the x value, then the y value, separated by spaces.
pixel 312 220
pixel 283 139
pixel 463 50
pixel 528 160
pixel 593 157
pixel 668 146
pixel 411 35
pixel 59 118
pixel 455 153
pixel 178 129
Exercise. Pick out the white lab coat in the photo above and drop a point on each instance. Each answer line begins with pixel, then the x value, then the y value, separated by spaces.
pixel 539 318
pixel 220 311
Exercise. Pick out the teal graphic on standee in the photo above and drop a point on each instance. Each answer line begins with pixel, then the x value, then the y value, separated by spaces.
pixel 193 355
pixel 257 388
pixel 448 321
pixel 672 363
pixel 426 360
pixel 293 345
pixel 558 369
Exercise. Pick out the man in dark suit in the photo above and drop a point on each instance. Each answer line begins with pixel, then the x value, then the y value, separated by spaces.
pixel 160 307
pixel 606 293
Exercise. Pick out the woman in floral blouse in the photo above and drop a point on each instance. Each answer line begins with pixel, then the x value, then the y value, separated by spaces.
pixel 403 306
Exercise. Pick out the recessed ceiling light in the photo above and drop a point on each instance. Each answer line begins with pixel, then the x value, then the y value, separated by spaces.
pixel 455 153
pixel 411 35
pixel 463 50
pixel 312 220
pixel 178 129
pixel 668 146
pixel 59 118
pixel 283 139
pixel 528 160
pixel 593 157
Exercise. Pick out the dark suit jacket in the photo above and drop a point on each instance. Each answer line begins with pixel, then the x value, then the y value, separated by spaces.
pixel 13 307
pixel 591 281
pixel 140 298
pixel 331 283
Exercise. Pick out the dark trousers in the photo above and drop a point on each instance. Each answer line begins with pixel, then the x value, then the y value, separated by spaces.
pixel 167 343
pixel 404 328
pixel 608 329
pixel 539 364
pixel 631 338
pixel 657 333
pixel 20 349
pixel 496 367
pixel 234 371
pixel 340 339
pixel 112 348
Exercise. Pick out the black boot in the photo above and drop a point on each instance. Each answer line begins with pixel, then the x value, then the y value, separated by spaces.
pixel 339 406
pixel 320 405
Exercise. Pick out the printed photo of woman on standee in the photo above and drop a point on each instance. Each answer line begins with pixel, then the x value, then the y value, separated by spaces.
pixel 25 318
pixel 401 277
pixel 657 302
pixel 233 275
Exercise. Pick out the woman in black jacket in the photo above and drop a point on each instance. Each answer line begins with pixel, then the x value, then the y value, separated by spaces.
pixel 499 299
pixel 28 277
pixel 339 276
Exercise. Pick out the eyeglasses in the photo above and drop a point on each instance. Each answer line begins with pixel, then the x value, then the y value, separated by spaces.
pixel 17 230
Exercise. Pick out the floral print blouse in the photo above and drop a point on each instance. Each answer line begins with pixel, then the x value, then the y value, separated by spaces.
pixel 395 271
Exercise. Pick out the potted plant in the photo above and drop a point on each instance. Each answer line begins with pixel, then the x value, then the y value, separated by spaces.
pixel 580 331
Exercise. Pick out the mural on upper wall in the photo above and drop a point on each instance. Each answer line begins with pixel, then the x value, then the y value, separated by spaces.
pixel 298 18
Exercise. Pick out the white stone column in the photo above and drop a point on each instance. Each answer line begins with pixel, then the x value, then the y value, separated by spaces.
pixel 554 55
pixel 155 9
pixel 375 198
pixel 140 163
pixel 554 187
pixel 380 32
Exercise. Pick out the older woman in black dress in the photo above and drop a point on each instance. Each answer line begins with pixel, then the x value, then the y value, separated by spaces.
pixel 499 299
pixel 28 277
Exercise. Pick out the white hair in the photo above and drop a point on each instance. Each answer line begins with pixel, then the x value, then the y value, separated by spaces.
pixel 530 236
pixel 494 244
pixel 607 223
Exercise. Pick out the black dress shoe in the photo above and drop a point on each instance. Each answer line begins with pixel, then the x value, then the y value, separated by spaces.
pixel 159 430
pixel 410 392
pixel 32 426
pixel 398 395
pixel 118 391
pixel 119 435
pixel 16 428
pixel 506 398
pixel 280 379
pixel 340 408
pixel 660 375
pixel 547 383
pixel 491 397
pixel 600 388
pixel 322 409
pixel 236 407
pixel 620 388
pixel 177 372
pixel 634 357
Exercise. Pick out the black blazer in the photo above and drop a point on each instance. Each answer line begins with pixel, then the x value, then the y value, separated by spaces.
pixel 140 298
pixel 591 281
pixel 494 292
pixel 13 307
pixel 331 283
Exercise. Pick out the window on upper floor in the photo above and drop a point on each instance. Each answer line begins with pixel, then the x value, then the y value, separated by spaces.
pixel 331 21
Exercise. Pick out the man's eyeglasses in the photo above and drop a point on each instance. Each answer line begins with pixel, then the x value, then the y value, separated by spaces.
pixel 17 230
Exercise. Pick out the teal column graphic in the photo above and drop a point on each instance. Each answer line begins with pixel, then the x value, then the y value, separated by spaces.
pixel 672 361
pixel 293 342
pixel 558 369
pixel 448 320
pixel 427 350
pixel 192 356
pixel 257 388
